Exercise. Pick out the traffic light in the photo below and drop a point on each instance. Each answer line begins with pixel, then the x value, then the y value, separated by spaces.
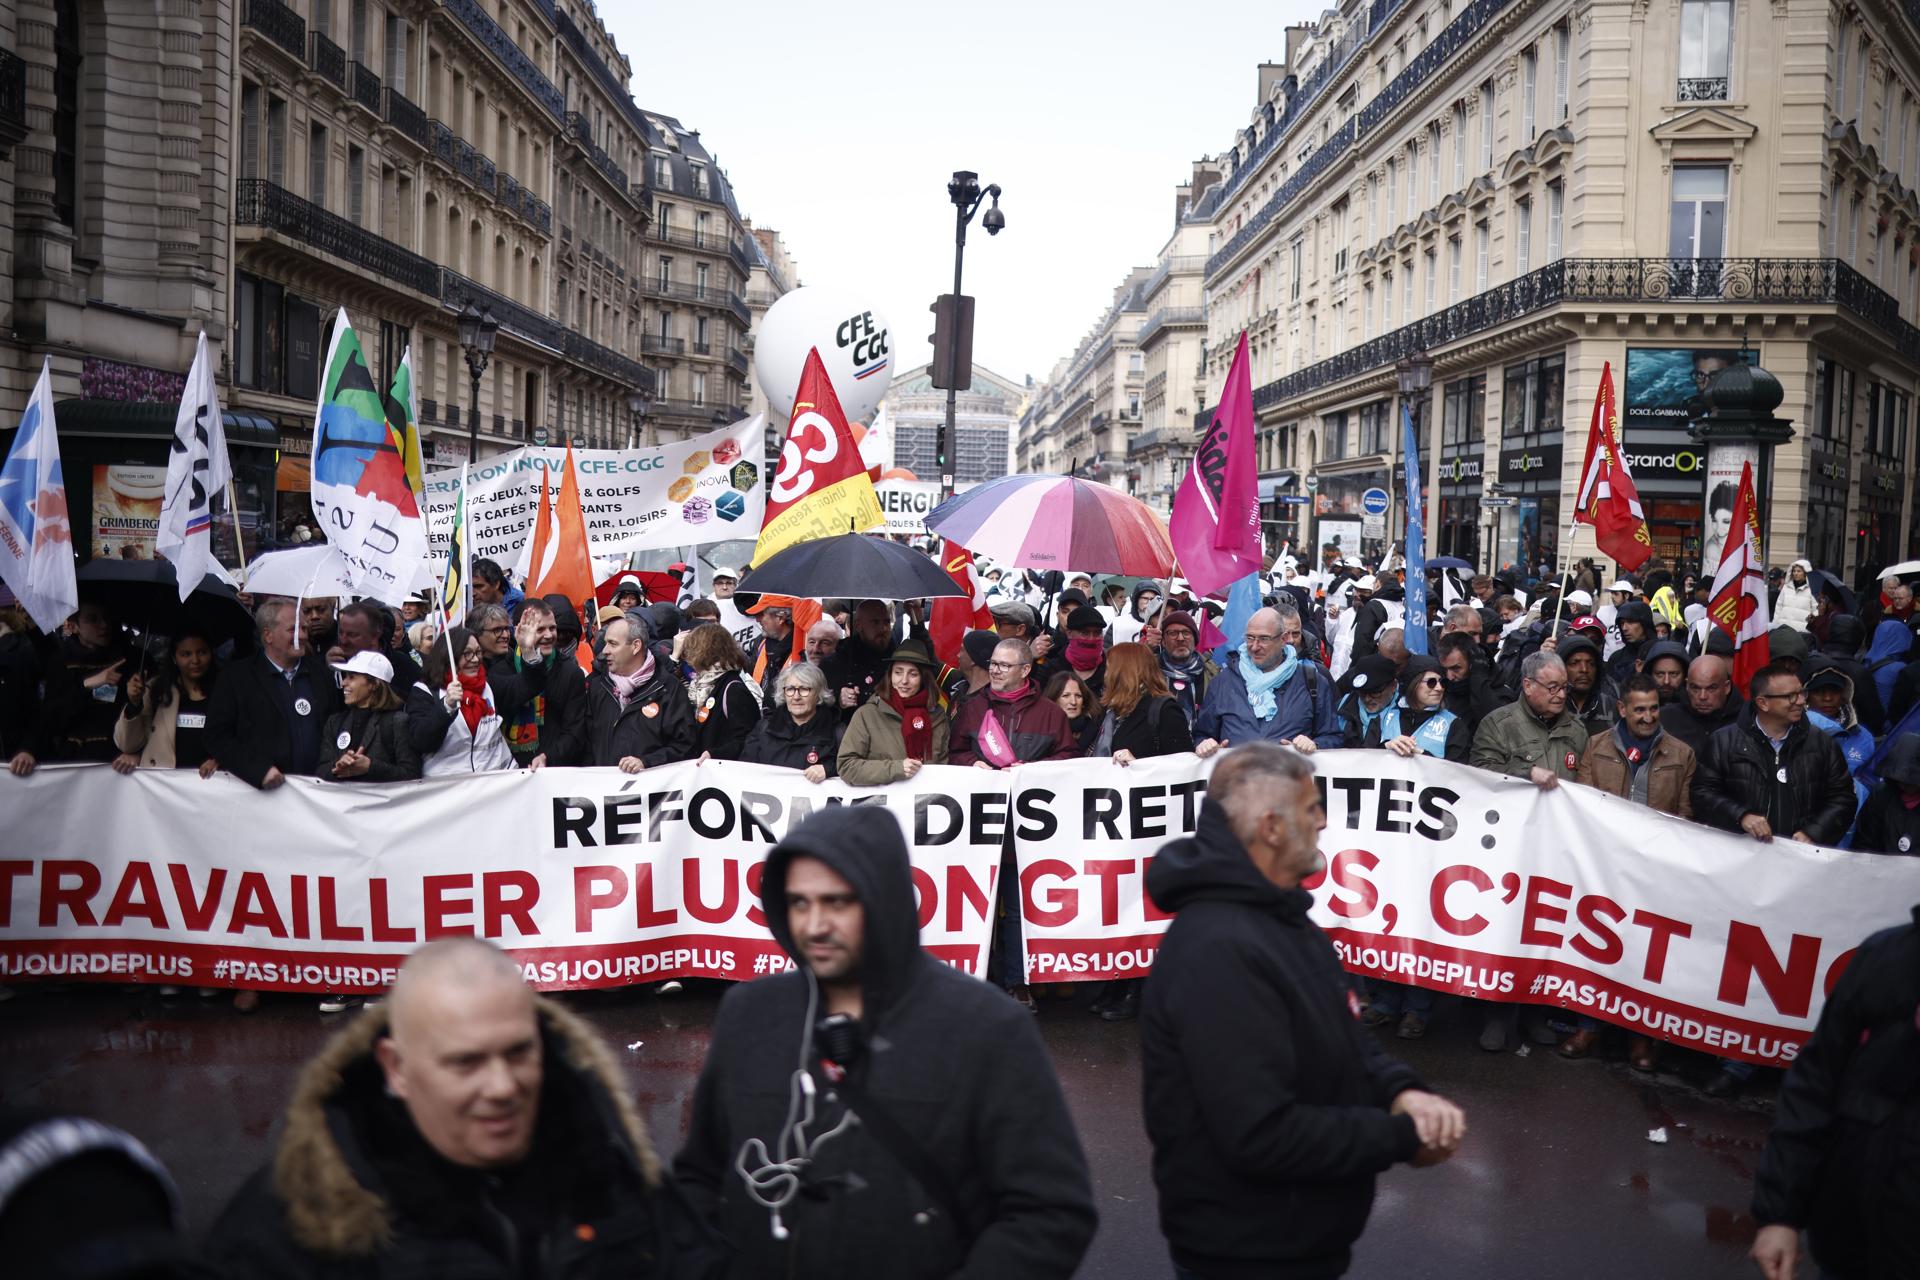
pixel 952 340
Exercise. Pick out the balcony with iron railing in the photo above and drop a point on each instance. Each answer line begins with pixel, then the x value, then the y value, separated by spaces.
pixel 279 23
pixel 1170 317
pixel 510 195
pixel 408 119
pixel 259 203
pixel 737 307
pixel 654 345
pixel 366 88
pixel 1744 282
pixel 1702 89
pixel 737 361
pixel 466 160
pixel 1178 264
pixel 446 144
pixel 328 60
pixel 741 259
pixel 579 130
pixel 13 101
pixel 703 348
pixel 485 175
pixel 524 70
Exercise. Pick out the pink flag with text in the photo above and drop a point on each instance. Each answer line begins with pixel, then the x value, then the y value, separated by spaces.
pixel 1216 514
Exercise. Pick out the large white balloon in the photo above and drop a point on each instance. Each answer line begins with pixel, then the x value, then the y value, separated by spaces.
pixel 854 343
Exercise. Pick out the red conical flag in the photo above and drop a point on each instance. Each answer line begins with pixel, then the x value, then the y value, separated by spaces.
pixel 1608 500
pixel 954 616
pixel 822 488
pixel 1738 605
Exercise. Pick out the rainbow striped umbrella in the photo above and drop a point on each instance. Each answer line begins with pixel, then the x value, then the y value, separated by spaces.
pixel 1057 522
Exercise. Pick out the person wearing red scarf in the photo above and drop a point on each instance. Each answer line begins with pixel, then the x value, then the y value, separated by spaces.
pixel 475 739
pixel 890 738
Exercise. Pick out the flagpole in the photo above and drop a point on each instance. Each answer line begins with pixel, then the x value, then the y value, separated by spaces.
pixel 239 546
pixel 1566 573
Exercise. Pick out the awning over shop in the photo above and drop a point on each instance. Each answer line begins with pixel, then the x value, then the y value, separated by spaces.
pixel 294 475
pixel 123 418
pixel 1270 486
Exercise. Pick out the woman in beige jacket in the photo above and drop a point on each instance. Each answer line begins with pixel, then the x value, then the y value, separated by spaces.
pixel 163 725
pixel 892 737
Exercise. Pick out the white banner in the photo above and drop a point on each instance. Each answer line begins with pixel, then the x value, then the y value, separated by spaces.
pixel 907 503
pixel 1446 877
pixel 710 488
pixel 588 877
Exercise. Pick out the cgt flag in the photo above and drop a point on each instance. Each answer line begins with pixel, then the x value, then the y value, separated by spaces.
pixel 954 616
pixel 365 499
pixel 1738 604
pixel 1215 527
pixel 197 470
pixel 822 487
pixel 36 539
pixel 1607 499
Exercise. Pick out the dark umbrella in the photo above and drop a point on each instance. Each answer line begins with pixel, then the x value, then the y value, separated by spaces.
pixel 1447 562
pixel 1824 583
pixel 147 593
pixel 852 565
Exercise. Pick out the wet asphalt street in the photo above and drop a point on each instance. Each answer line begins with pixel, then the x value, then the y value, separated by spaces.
pixel 1557 1177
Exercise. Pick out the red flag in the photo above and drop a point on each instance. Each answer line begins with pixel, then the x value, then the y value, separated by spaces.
pixel 571 572
pixel 1738 604
pixel 954 616
pixel 1608 500
pixel 822 487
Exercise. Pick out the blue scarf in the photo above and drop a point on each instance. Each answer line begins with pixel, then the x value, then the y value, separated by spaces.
pixel 1261 685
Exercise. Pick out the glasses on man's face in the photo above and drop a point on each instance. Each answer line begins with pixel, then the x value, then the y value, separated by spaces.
pixel 1549 689
pixel 502 630
pixel 1798 695
pixel 1005 666
pixel 1262 638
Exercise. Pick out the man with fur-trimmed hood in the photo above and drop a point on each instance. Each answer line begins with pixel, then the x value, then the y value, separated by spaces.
pixel 464 1127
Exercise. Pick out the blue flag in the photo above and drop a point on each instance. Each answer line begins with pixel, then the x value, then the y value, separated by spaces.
pixel 1243 601
pixel 1416 633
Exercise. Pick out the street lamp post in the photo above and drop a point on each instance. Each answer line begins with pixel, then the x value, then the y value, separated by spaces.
pixel 966 193
pixel 639 403
pixel 1416 382
pixel 477 330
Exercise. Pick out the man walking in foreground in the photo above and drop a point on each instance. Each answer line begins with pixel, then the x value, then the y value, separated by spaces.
pixel 1270 1107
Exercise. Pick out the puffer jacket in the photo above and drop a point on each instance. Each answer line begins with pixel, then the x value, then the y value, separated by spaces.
pixel 1808 789
pixel 354 1190
pixel 1796 605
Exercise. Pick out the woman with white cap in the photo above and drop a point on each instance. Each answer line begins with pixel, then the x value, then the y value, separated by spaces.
pixel 1796 606
pixel 368 738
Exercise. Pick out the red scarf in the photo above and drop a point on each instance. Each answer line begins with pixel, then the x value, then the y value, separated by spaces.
pixel 473 699
pixel 916 722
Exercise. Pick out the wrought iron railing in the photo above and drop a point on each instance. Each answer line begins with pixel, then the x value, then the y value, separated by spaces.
pixel 737 361
pixel 280 24
pixel 366 88
pixel 328 60
pixel 703 348
pixel 457 291
pixel 406 116
pixel 509 194
pixel 1747 281
pixel 259 203
pixel 465 159
pixel 539 214
pixel 654 344
pixel 1702 89
pixel 605 361
pixel 707 240
pixel 485 174
pixel 738 252
pixel 680 291
pixel 738 306
pixel 446 144
pixel 497 42
pixel 1167 317
pixel 581 131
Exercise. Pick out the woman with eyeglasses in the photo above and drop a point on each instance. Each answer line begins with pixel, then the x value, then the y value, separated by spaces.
pixel 795 732
pixel 1419 723
pixel 475 740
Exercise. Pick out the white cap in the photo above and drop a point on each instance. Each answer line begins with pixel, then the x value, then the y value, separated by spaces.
pixel 723 572
pixel 1353 562
pixel 1579 597
pixel 1623 585
pixel 368 663
pixel 1368 583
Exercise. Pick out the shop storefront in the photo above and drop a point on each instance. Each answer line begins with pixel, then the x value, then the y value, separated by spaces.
pixel 1660 388
pixel 1281 506
pixel 1883 482
pixel 1338 517
pixel 1462 459
pixel 1532 405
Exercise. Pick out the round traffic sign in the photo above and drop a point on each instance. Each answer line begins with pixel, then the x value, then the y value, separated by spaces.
pixel 1313 482
pixel 540 437
pixel 1374 502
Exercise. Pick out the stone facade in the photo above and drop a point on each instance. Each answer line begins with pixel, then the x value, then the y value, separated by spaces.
pixel 1088 412
pixel 983 424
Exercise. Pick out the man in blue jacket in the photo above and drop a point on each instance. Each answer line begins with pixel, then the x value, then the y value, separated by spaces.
pixel 1267 692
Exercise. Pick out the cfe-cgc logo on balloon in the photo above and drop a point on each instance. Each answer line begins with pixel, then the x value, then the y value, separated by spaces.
pixel 869 342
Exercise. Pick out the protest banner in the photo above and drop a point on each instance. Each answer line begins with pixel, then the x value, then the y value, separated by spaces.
pixel 1447 877
pixel 587 877
pixel 708 488
pixel 907 503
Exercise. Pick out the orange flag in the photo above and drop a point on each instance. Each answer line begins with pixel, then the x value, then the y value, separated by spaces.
pixel 542 529
pixel 571 573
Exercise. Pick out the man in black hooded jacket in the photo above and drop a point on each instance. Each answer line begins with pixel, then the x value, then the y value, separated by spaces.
pixel 1271 1108
pixel 959 1157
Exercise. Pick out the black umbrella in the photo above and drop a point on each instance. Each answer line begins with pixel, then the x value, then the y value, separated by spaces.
pixel 852 565
pixel 146 593
pixel 1824 583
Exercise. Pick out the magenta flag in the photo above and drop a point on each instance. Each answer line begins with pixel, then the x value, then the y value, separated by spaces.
pixel 1216 514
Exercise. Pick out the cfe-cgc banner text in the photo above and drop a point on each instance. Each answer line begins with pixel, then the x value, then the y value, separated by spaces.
pixel 709 488
pixel 1438 875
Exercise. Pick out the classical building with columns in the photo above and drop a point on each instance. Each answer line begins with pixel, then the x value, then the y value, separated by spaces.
pixel 1532 190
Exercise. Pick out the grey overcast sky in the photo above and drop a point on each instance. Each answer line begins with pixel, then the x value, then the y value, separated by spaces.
pixel 839 125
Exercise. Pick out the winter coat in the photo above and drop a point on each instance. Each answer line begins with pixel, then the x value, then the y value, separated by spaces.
pixel 873 751
pixel 463 751
pixel 1266 1100
pixel 776 739
pixel 1148 731
pixel 1906 692
pixel 1601 708
pixel 1683 722
pixel 1669 772
pixel 1886 824
pixel 1513 740
pixel 254 723
pixel 355 1192
pixel 958 1067
pixel 563 734
pixel 1886 655
pixel 1479 695
pixel 1840 1160
pixel 721 726
pixel 382 735
pixel 1795 605
pixel 151 734
pixel 1459 742
pixel 854 666
pixel 19 694
pixel 1036 728
pixel 1306 704
pixel 1738 775
pixel 76 723
pixel 1190 689
pixel 656 724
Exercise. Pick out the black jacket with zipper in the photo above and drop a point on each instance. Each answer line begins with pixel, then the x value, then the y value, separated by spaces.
pixel 776 739
pixel 385 736
pixel 563 732
pixel 1148 732
pixel 1808 788
pixel 655 725
pixel 1266 1100
pixel 953 1062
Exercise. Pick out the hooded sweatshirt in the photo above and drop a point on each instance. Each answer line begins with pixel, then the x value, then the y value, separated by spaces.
pixel 1266 1100
pixel 953 1061
pixel 1886 655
